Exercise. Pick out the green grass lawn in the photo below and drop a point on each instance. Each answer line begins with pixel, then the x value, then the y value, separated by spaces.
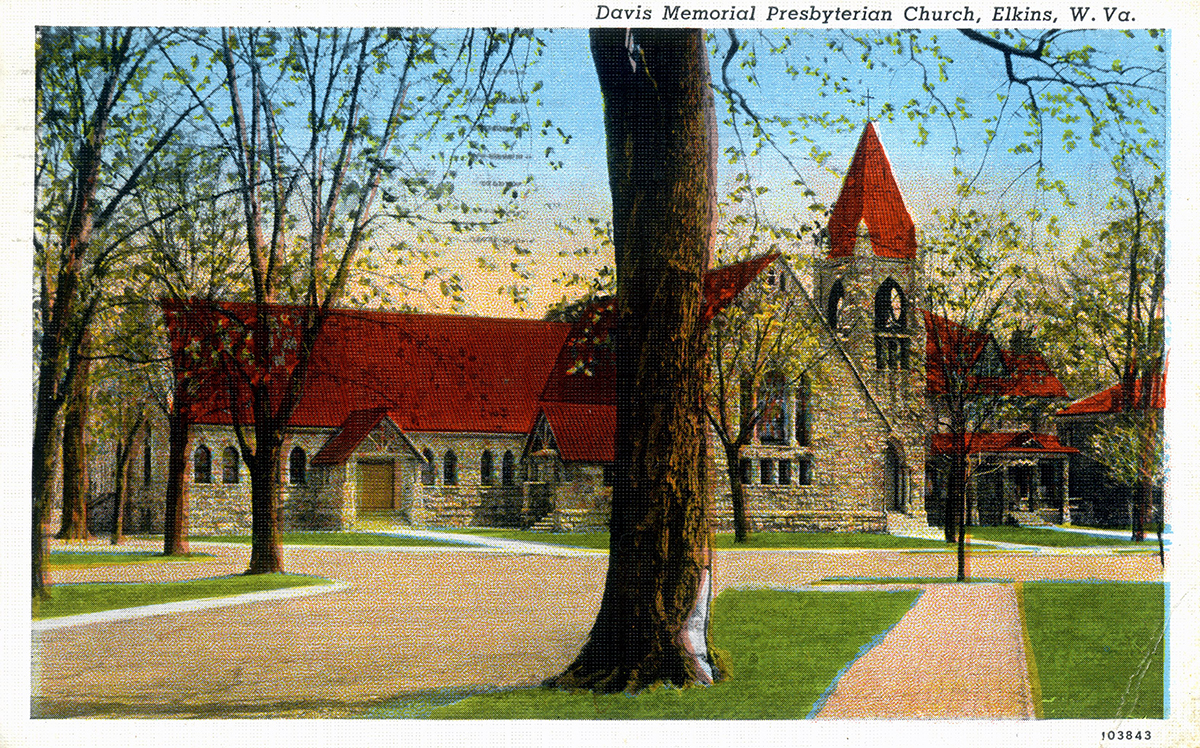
pixel 1098 648
pixel 75 599
pixel 1036 536
pixel 906 580
pixel 330 538
pixel 785 649
pixel 85 559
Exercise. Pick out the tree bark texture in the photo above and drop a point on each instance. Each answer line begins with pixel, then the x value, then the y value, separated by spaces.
pixel 660 128
pixel 175 511
pixel 265 555
pixel 75 483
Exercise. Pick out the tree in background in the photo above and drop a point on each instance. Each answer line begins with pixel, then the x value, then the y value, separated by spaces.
pixel 1103 311
pixel 970 267
pixel 323 128
pixel 761 344
pixel 96 133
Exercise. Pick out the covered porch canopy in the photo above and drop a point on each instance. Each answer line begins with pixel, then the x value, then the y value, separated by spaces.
pixel 1012 473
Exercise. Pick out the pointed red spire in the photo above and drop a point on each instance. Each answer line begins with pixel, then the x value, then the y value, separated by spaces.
pixel 870 194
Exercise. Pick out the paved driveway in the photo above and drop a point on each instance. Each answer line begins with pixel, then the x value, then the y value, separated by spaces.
pixel 409 621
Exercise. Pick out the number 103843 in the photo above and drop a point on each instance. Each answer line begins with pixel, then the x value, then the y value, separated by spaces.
pixel 1125 735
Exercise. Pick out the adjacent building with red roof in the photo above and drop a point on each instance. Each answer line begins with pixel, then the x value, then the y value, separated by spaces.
pixel 1099 499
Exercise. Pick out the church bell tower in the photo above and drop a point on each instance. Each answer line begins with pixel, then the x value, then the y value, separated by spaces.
pixel 869 287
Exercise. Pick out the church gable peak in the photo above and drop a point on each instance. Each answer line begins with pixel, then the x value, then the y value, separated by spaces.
pixel 871 198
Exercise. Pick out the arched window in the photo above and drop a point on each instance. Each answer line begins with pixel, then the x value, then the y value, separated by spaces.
pixel 772 400
pixel 837 292
pixel 891 308
pixel 147 464
pixel 485 468
pixel 297 466
pixel 428 468
pixel 507 468
pixel 202 465
pixel 450 468
pixel 231 465
pixel 804 411
pixel 891 327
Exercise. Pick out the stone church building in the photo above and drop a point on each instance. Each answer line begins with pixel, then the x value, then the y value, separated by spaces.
pixel 450 421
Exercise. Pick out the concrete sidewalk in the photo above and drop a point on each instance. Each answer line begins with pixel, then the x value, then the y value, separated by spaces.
pixel 958 654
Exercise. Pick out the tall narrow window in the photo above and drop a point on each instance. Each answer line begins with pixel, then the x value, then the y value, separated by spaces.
pixel 804 411
pixel 485 468
pixel 894 470
pixel 746 387
pixel 450 468
pixel 297 466
pixel 147 463
pixel 202 465
pixel 231 465
pixel 507 468
pixel 772 400
pixel 837 292
pixel 891 327
pixel 428 468
pixel 766 472
pixel 804 471
pixel 785 473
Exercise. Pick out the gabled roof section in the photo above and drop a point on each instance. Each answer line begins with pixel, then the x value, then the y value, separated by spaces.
pixel 1020 442
pixel 583 433
pixel 870 195
pixel 952 346
pixel 585 370
pixel 429 372
pixel 722 285
pixel 1113 400
pixel 353 431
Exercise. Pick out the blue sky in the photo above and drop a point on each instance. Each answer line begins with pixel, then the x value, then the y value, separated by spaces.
pixel 571 98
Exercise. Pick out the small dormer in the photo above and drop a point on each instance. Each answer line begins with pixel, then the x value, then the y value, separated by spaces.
pixel 862 241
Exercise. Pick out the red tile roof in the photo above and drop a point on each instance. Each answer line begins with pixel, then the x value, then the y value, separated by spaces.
pixel 1023 442
pixel 585 371
pixel 870 194
pixel 430 372
pixel 353 430
pixel 950 345
pixel 583 433
pixel 580 394
pixel 723 284
pixel 1111 401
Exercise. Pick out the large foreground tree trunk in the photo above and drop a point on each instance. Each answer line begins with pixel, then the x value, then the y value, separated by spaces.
pixel 660 126
pixel 75 478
